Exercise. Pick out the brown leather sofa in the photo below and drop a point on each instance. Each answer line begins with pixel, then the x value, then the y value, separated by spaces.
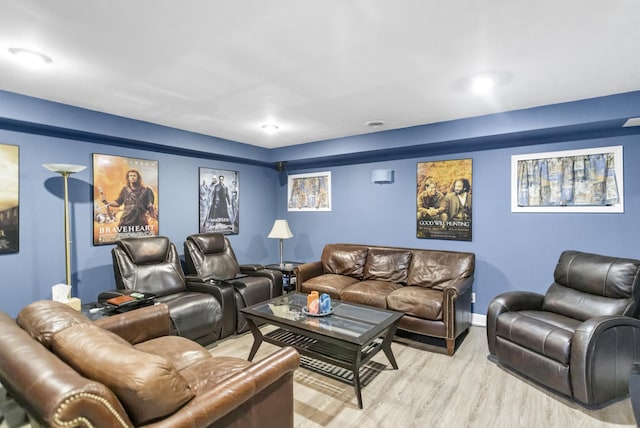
pixel 126 370
pixel 582 337
pixel 432 288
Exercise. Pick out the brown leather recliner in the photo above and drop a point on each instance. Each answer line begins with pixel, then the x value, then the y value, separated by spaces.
pixel 582 337
pixel 127 370
pixel 152 265
pixel 209 256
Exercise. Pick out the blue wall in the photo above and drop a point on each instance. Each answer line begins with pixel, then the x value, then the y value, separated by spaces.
pixel 513 250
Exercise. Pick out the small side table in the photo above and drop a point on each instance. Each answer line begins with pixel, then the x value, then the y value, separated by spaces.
pixel 288 277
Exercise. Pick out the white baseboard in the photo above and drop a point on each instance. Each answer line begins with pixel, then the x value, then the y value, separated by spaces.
pixel 478 320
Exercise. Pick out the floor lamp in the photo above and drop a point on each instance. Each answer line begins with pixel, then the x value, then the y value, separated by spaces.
pixel 280 231
pixel 66 170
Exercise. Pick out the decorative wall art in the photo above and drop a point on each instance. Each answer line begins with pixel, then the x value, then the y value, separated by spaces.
pixel 9 198
pixel 219 201
pixel 309 192
pixel 588 180
pixel 125 198
pixel 444 191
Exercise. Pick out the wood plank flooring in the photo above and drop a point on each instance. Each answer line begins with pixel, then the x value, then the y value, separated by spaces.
pixel 431 389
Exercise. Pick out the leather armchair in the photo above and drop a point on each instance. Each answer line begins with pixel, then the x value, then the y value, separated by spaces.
pixel 152 265
pixel 209 256
pixel 579 339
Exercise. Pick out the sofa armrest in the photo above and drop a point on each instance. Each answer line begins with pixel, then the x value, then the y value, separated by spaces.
pixel 596 376
pixel 251 268
pixel 456 304
pixel 307 271
pixel 271 375
pixel 139 325
pixel 507 302
pixel 224 294
pixel 49 390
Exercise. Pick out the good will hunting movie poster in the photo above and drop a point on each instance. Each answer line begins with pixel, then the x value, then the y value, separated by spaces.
pixel 444 200
pixel 125 198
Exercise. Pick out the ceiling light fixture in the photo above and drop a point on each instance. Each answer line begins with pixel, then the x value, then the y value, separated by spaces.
pixel 30 57
pixel 482 84
pixel 270 128
pixel 374 123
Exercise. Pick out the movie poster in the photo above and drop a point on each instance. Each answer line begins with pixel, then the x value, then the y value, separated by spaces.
pixel 219 201
pixel 444 191
pixel 125 198
pixel 9 198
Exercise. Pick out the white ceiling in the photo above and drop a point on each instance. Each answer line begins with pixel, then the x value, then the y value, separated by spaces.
pixel 319 69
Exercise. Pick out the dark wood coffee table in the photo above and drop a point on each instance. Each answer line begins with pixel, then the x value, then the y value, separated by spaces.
pixel 347 338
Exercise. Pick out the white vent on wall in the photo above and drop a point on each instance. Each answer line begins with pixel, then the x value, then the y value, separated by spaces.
pixel 634 121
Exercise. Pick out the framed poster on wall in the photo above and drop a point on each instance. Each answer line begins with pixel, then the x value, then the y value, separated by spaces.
pixel 219 201
pixel 9 198
pixel 309 192
pixel 444 205
pixel 125 198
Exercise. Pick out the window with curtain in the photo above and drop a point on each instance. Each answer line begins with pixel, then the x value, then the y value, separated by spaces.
pixel 579 178
pixel 571 180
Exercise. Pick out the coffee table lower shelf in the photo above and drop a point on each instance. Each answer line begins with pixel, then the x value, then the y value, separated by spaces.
pixel 337 361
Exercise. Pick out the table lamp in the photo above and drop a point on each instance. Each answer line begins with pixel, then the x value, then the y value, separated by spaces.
pixel 66 170
pixel 280 231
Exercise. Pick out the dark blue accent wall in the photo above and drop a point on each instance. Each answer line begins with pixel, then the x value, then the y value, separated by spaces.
pixel 514 250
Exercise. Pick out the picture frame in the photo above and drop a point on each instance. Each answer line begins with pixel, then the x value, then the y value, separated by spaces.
pixel 125 198
pixel 9 199
pixel 219 201
pixel 309 192
pixel 594 182
pixel 444 200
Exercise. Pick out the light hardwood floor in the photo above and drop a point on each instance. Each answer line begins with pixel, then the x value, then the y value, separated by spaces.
pixel 431 389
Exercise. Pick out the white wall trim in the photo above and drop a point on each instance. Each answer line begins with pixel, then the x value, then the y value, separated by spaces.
pixel 478 320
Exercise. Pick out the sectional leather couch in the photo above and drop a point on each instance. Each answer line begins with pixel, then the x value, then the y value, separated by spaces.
pixel 432 288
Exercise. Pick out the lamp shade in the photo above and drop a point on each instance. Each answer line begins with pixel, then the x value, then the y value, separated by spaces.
pixel 280 230
pixel 62 168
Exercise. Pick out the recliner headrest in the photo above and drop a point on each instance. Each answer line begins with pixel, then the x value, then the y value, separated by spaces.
pixel 208 243
pixel 146 250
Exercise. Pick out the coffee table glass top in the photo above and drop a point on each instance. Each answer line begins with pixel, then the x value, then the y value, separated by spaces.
pixel 348 321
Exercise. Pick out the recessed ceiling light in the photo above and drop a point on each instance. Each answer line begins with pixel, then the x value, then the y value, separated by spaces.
pixel 30 57
pixel 374 123
pixel 482 84
pixel 270 128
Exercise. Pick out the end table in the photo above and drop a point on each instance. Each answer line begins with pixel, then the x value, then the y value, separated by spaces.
pixel 288 277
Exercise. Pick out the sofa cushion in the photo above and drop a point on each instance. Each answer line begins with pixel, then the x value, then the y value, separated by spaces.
pixel 208 373
pixel 332 284
pixel 369 292
pixel 182 352
pixel 344 260
pixel 148 385
pixel 425 303
pixel 545 333
pixel 387 265
pixel 435 268
pixel 44 318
